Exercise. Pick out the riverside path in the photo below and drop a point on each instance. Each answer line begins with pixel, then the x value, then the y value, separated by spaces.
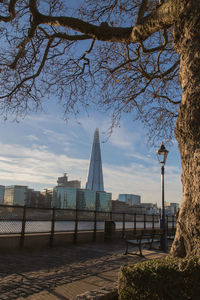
pixel 62 273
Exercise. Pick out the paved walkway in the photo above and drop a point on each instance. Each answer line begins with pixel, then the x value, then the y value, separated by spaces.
pixel 64 272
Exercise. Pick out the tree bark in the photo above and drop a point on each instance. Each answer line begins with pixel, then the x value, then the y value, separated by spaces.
pixel 187 44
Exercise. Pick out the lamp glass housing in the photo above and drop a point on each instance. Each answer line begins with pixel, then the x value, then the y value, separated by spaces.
pixel 162 154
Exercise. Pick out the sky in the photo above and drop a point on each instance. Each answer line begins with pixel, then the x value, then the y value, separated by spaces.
pixel 43 146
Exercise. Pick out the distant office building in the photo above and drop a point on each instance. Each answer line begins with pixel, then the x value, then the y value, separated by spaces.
pixel 64 197
pixel 63 181
pixel 92 200
pixel 120 206
pixel 141 208
pixel 2 191
pixel 39 199
pixel 103 201
pixel 86 199
pixel 17 195
pixel 150 208
pixel 171 208
pixel 131 199
pixel 95 176
pixel 124 207
pixel 47 195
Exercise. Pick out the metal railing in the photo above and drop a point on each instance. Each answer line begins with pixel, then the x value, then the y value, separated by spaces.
pixel 23 220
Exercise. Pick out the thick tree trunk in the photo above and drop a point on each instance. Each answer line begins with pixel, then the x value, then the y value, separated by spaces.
pixel 187 44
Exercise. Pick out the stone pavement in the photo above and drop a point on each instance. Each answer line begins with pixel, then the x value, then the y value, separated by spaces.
pixel 62 273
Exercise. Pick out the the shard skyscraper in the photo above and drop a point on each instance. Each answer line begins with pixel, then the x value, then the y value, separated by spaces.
pixel 95 176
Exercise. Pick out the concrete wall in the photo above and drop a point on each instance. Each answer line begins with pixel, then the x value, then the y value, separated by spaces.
pixel 38 240
pixel 43 240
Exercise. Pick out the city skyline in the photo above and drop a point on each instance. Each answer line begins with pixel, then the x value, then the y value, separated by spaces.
pixel 41 147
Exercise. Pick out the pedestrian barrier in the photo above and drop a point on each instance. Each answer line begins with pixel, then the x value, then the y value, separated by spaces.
pixel 24 221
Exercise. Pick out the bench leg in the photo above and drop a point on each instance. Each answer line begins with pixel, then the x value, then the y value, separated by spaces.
pixel 150 245
pixel 126 250
pixel 140 250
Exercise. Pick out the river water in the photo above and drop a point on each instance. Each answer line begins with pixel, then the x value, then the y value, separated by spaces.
pixel 8 227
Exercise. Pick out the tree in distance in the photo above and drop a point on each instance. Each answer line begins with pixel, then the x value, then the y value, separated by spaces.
pixel 139 56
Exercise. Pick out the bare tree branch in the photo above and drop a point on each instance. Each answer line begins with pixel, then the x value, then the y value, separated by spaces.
pixel 11 10
pixel 161 75
pixel 65 36
pixel 167 98
pixel 78 55
pixel 22 45
pixel 19 85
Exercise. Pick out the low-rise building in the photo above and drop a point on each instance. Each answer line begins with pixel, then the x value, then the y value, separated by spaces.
pixel 149 208
pixel 16 195
pixel 142 208
pixel 39 199
pixel 2 191
pixel 171 208
pixel 131 199
pixel 64 197
pixel 103 201
pixel 120 206
pixel 47 195
pixel 64 182
pixel 86 199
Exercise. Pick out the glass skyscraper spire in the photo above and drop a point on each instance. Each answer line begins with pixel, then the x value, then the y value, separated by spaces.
pixel 95 176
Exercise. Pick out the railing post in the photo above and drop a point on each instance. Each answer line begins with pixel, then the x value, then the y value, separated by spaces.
pixel 167 225
pixel 144 221
pixel 123 228
pixel 23 228
pixel 95 226
pixel 153 225
pixel 173 223
pixel 135 221
pixel 76 227
pixel 52 227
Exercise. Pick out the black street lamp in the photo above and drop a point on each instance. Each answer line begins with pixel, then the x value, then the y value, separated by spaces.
pixel 162 157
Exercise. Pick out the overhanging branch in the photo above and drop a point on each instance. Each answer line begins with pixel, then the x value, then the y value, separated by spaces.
pixel 36 74
pixel 11 10
pixel 166 98
pixel 163 17
pixel 64 36
pixel 23 45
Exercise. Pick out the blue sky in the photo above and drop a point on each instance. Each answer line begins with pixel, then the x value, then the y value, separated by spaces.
pixel 43 146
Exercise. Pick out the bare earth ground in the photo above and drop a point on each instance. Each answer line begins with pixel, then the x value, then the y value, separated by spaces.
pixel 62 272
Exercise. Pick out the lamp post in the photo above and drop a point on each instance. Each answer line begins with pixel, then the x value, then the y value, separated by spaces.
pixel 162 157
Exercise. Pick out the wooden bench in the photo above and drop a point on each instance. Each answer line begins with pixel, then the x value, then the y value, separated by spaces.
pixel 140 239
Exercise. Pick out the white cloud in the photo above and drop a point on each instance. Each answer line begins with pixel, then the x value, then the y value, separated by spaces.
pixel 39 167
pixel 57 137
pixel 140 157
pixel 131 170
pixel 32 138
pixel 90 123
pixel 121 139
pixel 141 180
pixel 38 119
